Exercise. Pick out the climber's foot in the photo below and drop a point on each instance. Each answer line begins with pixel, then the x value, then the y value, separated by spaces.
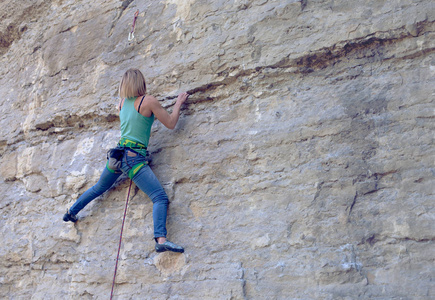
pixel 69 217
pixel 168 246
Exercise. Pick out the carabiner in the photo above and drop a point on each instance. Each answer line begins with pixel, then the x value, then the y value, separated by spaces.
pixel 130 36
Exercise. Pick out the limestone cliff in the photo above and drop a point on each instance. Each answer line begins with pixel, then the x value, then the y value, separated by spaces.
pixel 302 166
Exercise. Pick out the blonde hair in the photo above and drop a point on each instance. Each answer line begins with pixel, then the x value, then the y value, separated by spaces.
pixel 132 84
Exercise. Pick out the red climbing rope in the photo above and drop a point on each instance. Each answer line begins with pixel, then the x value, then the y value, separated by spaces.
pixel 120 240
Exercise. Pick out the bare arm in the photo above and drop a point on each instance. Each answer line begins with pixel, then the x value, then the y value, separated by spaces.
pixel 169 120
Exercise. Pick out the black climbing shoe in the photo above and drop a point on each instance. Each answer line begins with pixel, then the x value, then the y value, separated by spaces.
pixel 69 217
pixel 168 246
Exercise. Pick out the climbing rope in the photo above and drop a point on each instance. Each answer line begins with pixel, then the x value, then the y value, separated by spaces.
pixel 131 34
pixel 120 239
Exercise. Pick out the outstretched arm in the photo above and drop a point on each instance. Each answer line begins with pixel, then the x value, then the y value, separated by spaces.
pixel 169 120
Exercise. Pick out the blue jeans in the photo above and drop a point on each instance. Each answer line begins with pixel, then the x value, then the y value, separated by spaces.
pixel 144 179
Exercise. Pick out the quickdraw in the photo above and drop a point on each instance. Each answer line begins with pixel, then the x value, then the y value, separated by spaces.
pixel 131 33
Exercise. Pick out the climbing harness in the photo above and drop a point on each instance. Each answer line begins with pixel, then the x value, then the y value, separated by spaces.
pixel 139 149
pixel 120 240
pixel 124 142
pixel 131 34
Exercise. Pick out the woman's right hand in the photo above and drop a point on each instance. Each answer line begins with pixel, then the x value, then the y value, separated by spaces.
pixel 182 98
pixel 169 120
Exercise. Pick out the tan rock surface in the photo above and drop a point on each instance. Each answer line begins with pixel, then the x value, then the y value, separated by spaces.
pixel 302 166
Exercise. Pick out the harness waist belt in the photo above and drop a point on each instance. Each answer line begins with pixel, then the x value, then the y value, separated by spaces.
pixel 124 142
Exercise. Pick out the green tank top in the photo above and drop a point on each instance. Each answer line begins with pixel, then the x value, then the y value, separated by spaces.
pixel 134 126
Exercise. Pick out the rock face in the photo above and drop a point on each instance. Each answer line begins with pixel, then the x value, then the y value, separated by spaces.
pixel 302 166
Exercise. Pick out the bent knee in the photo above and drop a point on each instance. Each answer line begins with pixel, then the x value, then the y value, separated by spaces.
pixel 160 197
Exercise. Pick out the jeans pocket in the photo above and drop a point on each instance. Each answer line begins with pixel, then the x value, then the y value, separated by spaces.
pixel 133 160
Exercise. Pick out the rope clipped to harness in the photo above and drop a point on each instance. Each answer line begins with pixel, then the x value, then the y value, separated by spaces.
pixel 120 239
pixel 131 33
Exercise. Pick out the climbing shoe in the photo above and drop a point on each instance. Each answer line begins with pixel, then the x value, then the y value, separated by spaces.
pixel 168 246
pixel 69 217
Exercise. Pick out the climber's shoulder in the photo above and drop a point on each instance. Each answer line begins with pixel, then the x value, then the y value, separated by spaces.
pixel 151 99
pixel 151 102
pixel 148 105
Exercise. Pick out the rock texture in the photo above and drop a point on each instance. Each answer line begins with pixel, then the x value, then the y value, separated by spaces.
pixel 302 166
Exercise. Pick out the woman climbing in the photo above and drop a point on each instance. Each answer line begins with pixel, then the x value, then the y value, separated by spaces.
pixel 137 113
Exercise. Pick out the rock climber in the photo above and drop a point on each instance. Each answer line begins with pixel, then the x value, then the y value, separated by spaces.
pixel 137 112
